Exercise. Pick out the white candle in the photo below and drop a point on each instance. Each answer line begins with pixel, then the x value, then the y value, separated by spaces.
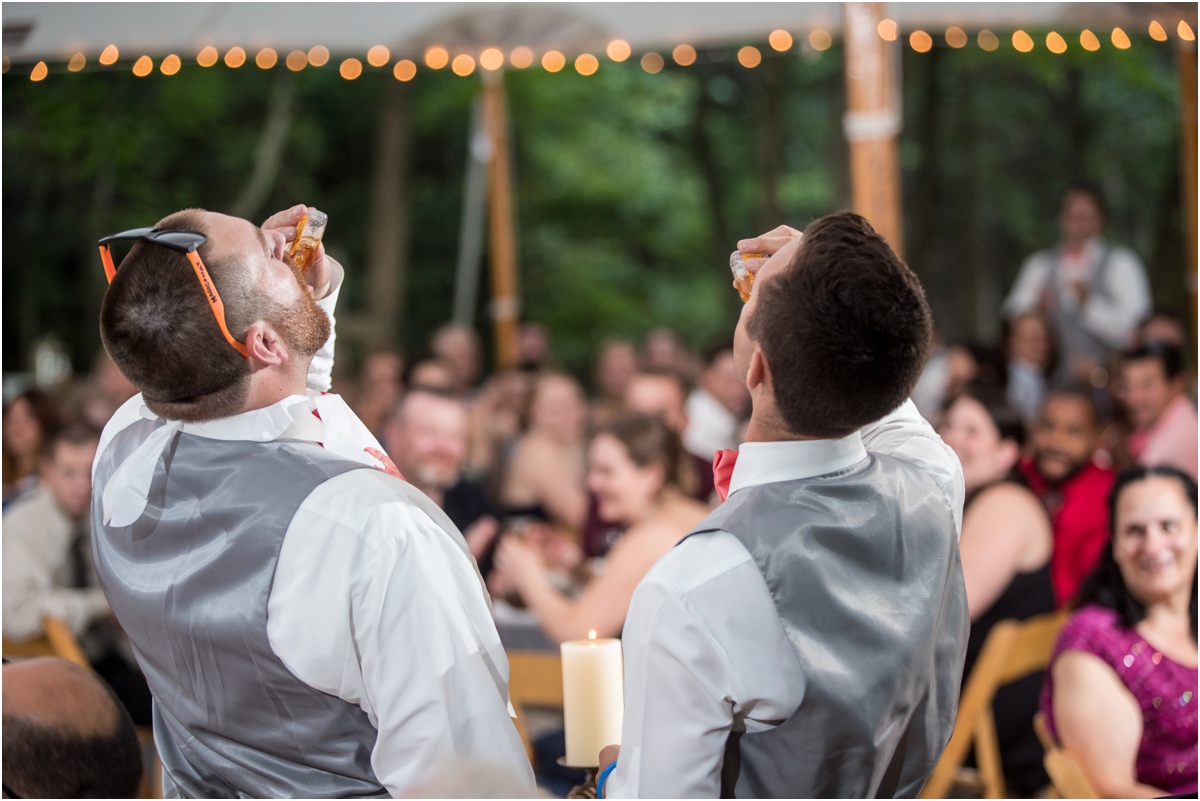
pixel 593 698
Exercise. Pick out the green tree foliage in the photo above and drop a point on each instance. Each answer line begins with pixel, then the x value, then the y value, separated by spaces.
pixel 632 188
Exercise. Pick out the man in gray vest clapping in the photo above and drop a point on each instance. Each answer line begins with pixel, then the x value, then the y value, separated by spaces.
pixel 807 639
pixel 309 625
pixel 1094 292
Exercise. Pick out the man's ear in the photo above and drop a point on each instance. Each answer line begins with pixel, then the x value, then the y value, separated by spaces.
pixel 266 347
pixel 759 373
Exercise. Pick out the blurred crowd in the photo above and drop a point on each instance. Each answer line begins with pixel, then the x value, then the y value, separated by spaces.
pixel 567 493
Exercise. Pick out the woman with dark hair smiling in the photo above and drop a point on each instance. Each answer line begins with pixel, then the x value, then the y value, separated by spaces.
pixel 634 468
pixel 1120 693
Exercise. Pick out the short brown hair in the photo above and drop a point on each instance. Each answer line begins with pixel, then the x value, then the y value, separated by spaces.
pixel 74 433
pixel 845 329
pixel 648 441
pixel 159 329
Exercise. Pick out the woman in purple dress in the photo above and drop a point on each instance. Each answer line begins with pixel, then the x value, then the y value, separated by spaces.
pixel 1120 694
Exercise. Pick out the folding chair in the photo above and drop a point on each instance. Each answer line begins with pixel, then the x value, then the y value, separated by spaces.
pixel 56 640
pixel 1065 774
pixel 1013 650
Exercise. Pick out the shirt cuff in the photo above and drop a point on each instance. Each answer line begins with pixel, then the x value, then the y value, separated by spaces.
pixel 336 276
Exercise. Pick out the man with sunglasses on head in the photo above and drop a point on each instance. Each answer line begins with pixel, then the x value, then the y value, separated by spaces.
pixel 309 624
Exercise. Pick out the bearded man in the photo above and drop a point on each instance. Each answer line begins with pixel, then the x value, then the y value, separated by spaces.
pixel 309 625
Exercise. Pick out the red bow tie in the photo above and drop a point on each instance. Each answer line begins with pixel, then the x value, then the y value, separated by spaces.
pixel 723 462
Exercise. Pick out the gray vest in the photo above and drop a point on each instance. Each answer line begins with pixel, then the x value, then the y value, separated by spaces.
pixel 863 567
pixel 189 583
pixel 1074 339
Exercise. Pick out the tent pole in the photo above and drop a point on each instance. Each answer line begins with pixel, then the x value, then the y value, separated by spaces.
pixel 1186 62
pixel 502 239
pixel 472 223
pixel 387 250
pixel 872 121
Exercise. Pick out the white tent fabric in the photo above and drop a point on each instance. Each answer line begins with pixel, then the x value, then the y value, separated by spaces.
pixel 55 31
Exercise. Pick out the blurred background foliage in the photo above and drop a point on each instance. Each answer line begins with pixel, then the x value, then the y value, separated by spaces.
pixel 632 188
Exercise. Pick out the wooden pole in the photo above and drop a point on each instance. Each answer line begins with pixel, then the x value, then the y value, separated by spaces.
pixel 1186 61
pixel 501 235
pixel 387 250
pixel 872 122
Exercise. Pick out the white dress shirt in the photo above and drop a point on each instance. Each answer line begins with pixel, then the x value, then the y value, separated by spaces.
pixel 1113 316
pixel 711 427
pixel 703 643
pixel 372 601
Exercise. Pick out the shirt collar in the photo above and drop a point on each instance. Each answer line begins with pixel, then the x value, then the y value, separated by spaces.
pixel 258 425
pixel 789 460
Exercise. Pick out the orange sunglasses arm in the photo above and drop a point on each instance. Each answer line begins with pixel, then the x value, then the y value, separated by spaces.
pixel 106 258
pixel 214 300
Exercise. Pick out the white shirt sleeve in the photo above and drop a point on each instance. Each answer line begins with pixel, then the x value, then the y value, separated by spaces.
pixel 1115 315
pixel 697 666
pixel 906 435
pixel 374 603
pixel 1023 297
pixel 320 372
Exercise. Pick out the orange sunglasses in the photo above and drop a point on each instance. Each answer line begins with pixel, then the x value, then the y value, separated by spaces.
pixel 187 243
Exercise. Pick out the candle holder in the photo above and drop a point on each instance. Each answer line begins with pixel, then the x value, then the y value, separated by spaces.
pixel 588 788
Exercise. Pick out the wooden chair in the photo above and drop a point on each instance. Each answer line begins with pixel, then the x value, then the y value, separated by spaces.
pixel 1012 651
pixel 534 679
pixel 57 640
pixel 1065 774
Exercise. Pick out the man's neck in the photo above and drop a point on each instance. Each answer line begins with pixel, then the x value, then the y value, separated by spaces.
pixel 268 387
pixel 766 427
pixel 1075 249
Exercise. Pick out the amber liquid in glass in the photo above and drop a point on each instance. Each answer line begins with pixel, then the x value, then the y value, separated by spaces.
pixel 743 285
pixel 309 231
pixel 743 279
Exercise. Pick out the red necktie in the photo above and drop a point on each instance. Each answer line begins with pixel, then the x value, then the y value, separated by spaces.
pixel 723 462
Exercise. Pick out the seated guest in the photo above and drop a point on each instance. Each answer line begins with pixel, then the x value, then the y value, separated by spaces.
pixel 664 393
pixel 28 418
pixel 545 477
pixel 1164 419
pixel 1005 548
pixel 533 347
pixel 615 366
pixel 1164 328
pixel 48 570
pixel 666 351
pixel 715 407
pixel 429 374
pixel 65 734
pixel 634 466
pixel 426 436
pixel 496 417
pixel 1167 328
pixel 379 387
pixel 1120 693
pixel 457 347
pixel 95 400
pixel 47 548
pixel 1027 345
pixel 947 372
pixel 1064 474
